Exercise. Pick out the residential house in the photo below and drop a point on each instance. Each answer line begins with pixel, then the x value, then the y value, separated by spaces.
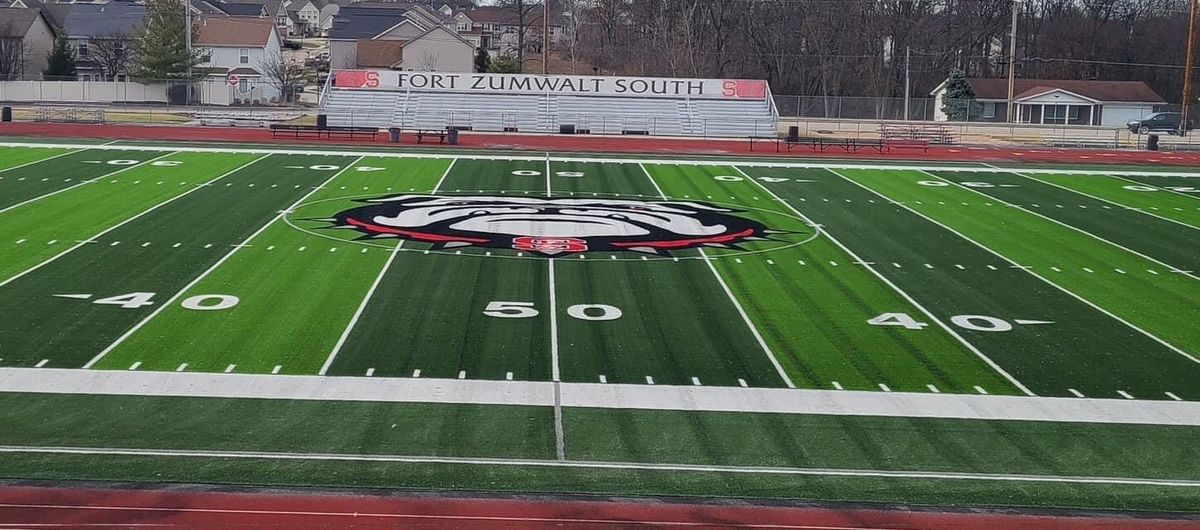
pixel 103 36
pixel 1058 101
pixel 25 39
pixel 277 9
pixel 244 48
pixel 308 16
pixel 498 27
pixel 404 38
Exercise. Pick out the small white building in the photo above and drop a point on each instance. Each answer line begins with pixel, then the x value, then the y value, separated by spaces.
pixel 241 47
pixel 1057 101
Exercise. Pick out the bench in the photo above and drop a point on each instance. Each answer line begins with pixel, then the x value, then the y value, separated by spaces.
pixel 921 144
pixel 931 134
pixel 818 144
pixel 313 131
pixel 1083 141
pixel 422 133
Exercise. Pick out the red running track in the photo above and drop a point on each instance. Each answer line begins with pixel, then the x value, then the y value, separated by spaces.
pixel 54 507
pixel 606 144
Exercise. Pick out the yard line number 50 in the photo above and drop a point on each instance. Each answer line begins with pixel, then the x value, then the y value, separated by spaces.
pixel 499 309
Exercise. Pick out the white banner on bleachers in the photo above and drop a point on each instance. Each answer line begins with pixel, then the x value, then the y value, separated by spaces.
pixel 551 84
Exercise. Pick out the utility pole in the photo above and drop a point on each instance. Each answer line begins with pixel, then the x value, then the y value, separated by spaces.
pixel 545 36
pixel 907 84
pixel 187 39
pixel 1187 70
pixel 1012 63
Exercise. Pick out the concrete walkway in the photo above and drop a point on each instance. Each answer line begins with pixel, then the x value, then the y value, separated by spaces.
pixel 610 396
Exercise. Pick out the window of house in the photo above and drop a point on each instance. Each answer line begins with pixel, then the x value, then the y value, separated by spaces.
pixel 244 55
pixel 83 49
pixel 1054 113
pixel 1073 113
pixel 206 55
pixel 989 110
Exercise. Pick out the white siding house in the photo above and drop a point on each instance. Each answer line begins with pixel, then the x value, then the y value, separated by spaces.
pixel 241 47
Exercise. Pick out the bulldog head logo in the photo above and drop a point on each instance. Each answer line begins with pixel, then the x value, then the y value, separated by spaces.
pixel 551 226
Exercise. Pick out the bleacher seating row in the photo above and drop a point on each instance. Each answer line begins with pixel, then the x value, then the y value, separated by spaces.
pixel 546 113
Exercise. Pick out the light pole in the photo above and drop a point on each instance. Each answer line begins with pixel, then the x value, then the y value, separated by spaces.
pixel 1012 62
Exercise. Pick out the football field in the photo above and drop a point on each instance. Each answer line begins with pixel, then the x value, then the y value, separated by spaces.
pixel 393 319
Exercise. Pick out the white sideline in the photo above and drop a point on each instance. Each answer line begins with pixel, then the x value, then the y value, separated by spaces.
pixel 597 395
pixel 714 160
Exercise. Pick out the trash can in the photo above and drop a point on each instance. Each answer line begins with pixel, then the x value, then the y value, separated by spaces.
pixel 793 133
pixel 1152 143
pixel 6 114
pixel 452 136
pixel 566 128
pixel 394 135
pixel 322 121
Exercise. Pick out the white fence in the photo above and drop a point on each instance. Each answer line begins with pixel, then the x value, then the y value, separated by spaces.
pixel 206 92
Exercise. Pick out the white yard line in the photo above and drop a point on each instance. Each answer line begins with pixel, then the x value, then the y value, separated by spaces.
pixel 1118 176
pixel 362 307
pixel 214 266
pixel 555 375
pixel 74 150
pixel 605 396
pixel 560 442
pixel 762 343
pixel 85 241
pixel 733 159
pixel 80 183
pixel 609 465
pixel 1122 206
pixel 1034 274
pixel 1181 270
pixel 908 298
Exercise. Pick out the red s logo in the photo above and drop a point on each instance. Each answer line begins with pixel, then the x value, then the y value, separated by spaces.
pixel 549 245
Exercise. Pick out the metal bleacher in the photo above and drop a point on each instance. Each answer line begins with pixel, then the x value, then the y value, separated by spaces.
pixel 546 113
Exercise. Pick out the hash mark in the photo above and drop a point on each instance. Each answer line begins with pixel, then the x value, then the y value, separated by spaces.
pixel 182 367
pixel 229 369
pixel 135 365
pixel 1152 272
pixel 276 369
pixel 462 374
pixel 696 381
pixel 508 376
pixel 41 363
pixel 1173 396
pixel 884 387
pixel 649 380
pixel 1075 393
pixel 933 389
pixel 837 385
pixel 417 373
pixel 370 372
pixel 603 379
pixel 19 241
pixel 980 390
pixel 1085 269
pixel 1055 269
pixel 896 265
pixel 960 267
pixel 1124 394
pixel 742 383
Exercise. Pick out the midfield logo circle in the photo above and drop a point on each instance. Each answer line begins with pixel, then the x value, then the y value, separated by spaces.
pixel 552 226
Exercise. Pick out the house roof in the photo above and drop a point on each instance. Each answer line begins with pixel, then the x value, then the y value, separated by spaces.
pixel 15 22
pixel 234 31
pixel 56 14
pixel 1103 91
pixel 379 53
pixel 355 22
pixel 104 20
pixel 508 15
pixel 249 9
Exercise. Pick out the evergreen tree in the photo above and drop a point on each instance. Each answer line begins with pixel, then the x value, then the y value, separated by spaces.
pixel 161 46
pixel 60 62
pixel 505 63
pixel 959 101
pixel 482 61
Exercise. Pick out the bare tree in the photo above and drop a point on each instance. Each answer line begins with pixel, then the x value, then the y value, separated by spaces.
pixel 14 54
pixel 523 13
pixel 428 61
pixel 288 77
pixel 112 53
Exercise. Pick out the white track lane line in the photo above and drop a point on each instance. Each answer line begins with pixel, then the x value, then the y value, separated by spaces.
pixel 1038 276
pixel 762 343
pixel 638 466
pixel 83 242
pixel 988 360
pixel 214 267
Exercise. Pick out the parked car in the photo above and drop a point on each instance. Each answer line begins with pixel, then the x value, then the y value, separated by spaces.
pixel 1167 122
